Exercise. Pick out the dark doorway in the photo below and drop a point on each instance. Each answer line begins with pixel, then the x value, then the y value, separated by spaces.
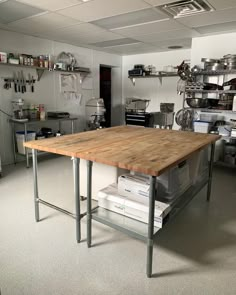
pixel 105 92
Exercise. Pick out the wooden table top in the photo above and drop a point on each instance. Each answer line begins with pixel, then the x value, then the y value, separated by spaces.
pixel 146 150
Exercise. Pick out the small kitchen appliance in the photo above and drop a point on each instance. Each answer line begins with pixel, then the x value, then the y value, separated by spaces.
pixel 95 112
pixel 18 109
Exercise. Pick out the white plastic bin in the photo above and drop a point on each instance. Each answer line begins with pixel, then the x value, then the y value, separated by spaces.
pixel 201 126
pixel 208 117
pixel 170 184
pixel 20 139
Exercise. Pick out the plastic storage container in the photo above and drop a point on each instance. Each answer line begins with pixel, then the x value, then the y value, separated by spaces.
pixel 201 126
pixel 20 139
pixel 208 117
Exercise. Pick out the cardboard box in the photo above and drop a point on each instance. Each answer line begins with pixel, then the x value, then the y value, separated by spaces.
pixel 136 207
pixel 170 184
pixel 129 185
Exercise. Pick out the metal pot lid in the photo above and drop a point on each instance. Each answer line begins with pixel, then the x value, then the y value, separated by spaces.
pixel 210 60
pixel 229 56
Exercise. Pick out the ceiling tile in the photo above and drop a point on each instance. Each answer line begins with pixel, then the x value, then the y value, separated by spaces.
pixel 133 49
pixel 41 23
pixel 185 43
pixel 117 42
pixel 51 5
pixel 11 11
pixel 153 27
pixel 217 28
pixel 84 33
pixel 222 4
pixel 78 29
pixel 98 9
pixel 132 18
pixel 209 18
pixel 175 34
pixel 159 2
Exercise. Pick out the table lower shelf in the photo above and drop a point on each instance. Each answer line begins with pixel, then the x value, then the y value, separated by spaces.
pixel 132 227
pixel 138 229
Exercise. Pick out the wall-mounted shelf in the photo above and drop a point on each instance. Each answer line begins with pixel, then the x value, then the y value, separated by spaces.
pixel 160 75
pixel 211 91
pixel 215 73
pixel 217 111
pixel 40 70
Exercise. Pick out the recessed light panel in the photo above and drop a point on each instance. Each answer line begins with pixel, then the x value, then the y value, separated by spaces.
pixel 129 19
pixel 118 42
pixel 11 11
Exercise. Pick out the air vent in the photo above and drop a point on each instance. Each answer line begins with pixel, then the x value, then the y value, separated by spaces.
pixel 186 8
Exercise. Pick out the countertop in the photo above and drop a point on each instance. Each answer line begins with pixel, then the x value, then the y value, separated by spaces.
pixel 146 150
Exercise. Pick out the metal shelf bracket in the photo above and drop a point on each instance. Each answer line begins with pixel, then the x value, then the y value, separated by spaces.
pixel 133 81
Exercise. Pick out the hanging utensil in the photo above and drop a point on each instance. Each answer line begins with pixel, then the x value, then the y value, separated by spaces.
pixel 32 84
pixel 23 82
pixel 15 81
pixel 19 82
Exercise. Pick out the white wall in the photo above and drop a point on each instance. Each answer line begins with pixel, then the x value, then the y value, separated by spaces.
pixel 152 88
pixel 212 47
pixel 47 89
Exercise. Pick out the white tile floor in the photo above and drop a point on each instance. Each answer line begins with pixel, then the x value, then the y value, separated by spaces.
pixel 194 254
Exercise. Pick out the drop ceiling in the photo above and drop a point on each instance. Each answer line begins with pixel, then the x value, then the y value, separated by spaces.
pixel 119 26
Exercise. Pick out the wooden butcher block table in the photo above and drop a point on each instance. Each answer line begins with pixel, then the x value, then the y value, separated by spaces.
pixel 146 150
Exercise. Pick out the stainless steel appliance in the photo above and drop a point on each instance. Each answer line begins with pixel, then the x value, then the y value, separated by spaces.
pixel 135 104
pixel 140 119
pixel 165 118
pixel 58 115
pixel 138 70
pixel 18 109
pixel 95 112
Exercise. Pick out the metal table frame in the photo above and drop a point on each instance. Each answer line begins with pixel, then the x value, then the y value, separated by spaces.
pixel 31 122
pixel 37 200
pixel 150 234
pixel 90 211
pixel 0 167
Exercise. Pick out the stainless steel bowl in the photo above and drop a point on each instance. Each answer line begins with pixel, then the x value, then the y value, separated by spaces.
pixel 197 102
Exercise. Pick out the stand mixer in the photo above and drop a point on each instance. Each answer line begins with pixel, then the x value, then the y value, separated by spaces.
pixel 95 112
pixel 18 110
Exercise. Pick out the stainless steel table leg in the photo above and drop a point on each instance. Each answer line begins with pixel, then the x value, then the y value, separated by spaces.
pixel 72 126
pixel 14 141
pixel 26 149
pixel 152 194
pixel 76 163
pixel 59 126
pixel 89 201
pixel 210 171
pixel 35 172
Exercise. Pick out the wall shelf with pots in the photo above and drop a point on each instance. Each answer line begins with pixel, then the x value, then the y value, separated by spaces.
pixel 214 73
pixel 160 75
pixel 40 70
